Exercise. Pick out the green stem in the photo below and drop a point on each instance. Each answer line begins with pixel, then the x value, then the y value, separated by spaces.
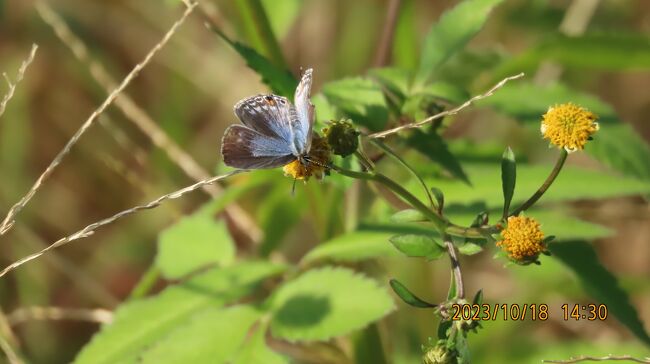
pixel 440 222
pixel 547 183
pixel 259 32
pixel 146 283
pixel 455 267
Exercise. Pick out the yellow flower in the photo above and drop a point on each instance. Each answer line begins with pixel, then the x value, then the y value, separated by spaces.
pixel 522 239
pixel 569 126
pixel 319 158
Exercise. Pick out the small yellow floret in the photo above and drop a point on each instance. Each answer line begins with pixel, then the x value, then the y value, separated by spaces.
pixel 319 153
pixel 569 126
pixel 523 239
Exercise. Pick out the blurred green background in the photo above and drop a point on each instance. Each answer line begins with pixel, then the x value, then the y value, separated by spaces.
pixel 189 90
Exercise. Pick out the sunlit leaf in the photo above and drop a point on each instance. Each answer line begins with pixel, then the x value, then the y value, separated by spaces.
pixel 211 336
pixel 140 323
pixel 326 302
pixel 359 99
pixel 194 242
pixel 255 350
pixel 413 245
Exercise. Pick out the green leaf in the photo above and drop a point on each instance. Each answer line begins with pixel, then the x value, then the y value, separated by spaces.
pixel 606 51
pixel 138 324
pixel 281 81
pixel 359 99
pixel 620 147
pixel 454 30
pixel 281 14
pixel 211 336
pixel 368 346
pixel 396 80
pixel 445 91
pixel 278 213
pixel 324 110
pixel 194 242
pixel 418 246
pixel 572 184
pixel 599 283
pixel 508 178
pixel 366 243
pixel 408 215
pixel 326 302
pixel 432 146
pixel 469 248
pixel 353 246
pixel 255 351
pixel 439 196
pixel 407 296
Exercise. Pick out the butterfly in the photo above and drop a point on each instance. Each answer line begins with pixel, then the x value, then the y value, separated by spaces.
pixel 273 132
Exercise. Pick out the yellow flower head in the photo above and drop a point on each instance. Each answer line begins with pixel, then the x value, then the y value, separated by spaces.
pixel 568 126
pixel 522 239
pixel 319 156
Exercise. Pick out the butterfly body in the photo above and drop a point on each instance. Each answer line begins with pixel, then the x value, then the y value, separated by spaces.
pixel 273 131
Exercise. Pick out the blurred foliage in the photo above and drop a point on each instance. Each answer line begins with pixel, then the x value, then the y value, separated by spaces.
pixel 316 288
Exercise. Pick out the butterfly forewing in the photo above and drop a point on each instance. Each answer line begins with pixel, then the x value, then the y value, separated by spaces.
pixel 302 125
pixel 270 115
pixel 243 147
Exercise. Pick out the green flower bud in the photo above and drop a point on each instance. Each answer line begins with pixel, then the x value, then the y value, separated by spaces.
pixel 438 354
pixel 342 137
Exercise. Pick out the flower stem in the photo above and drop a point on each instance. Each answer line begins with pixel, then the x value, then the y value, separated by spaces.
pixel 455 267
pixel 547 183
pixel 439 221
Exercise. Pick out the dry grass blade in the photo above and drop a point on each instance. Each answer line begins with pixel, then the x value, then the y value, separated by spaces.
pixel 9 220
pixel 610 357
pixel 138 116
pixel 98 315
pixel 453 111
pixel 19 77
pixel 90 229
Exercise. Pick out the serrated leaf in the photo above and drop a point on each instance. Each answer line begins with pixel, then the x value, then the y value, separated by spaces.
pixel 408 215
pixel 407 296
pixel 452 32
pixel 255 351
pixel 508 178
pixel 435 148
pixel 359 99
pixel 326 302
pixel 598 282
pixel 281 81
pixel 211 336
pixel 192 243
pixel 413 245
pixel 140 323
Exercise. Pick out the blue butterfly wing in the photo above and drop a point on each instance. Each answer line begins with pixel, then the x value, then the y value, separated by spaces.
pixel 302 125
pixel 269 115
pixel 246 148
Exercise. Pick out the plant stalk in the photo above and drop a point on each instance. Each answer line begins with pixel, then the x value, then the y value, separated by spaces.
pixel 547 183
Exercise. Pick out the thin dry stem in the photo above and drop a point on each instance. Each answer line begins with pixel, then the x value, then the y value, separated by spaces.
pixel 90 229
pixel 19 77
pixel 9 220
pixel 138 116
pixel 98 315
pixel 609 357
pixel 9 352
pixel 453 111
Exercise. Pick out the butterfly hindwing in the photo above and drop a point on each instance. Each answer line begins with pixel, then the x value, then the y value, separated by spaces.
pixel 243 147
